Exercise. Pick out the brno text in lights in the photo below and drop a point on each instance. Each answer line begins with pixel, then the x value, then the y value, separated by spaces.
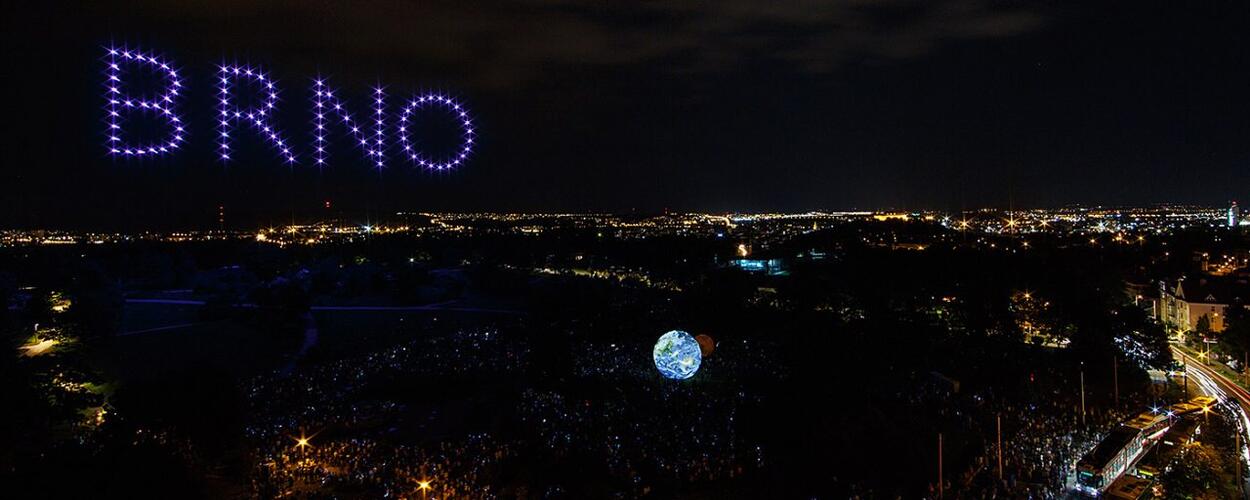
pixel 379 132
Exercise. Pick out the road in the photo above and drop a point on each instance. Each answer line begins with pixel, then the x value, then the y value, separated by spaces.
pixel 1230 395
pixel 1216 385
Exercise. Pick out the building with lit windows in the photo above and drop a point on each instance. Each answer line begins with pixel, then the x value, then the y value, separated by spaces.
pixel 771 267
pixel 1182 305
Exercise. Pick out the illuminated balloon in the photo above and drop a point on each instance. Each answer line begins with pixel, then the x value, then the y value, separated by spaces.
pixel 706 344
pixel 677 355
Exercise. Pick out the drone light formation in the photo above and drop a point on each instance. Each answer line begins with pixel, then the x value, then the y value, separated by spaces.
pixel 379 124
pixel 458 112
pixel 320 95
pixel 371 134
pixel 119 103
pixel 371 142
pixel 259 116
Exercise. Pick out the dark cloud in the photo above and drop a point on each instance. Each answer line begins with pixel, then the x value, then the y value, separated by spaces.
pixel 509 42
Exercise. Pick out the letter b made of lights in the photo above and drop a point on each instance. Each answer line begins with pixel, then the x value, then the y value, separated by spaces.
pixel 380 132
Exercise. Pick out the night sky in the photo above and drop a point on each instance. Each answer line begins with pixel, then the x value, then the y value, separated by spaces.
pixel 632 106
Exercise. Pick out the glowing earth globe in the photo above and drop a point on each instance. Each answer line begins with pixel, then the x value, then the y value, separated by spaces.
pixel 677 355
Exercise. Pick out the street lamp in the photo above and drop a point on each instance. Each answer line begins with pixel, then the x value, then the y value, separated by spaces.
pixel 424 486
pixel 301 442
pixel 1082 393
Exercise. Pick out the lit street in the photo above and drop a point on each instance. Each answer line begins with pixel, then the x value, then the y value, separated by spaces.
pixel 1230 395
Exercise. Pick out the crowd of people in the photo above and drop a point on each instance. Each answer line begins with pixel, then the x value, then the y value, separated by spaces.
pixel 461 469
pixel 643 429
pixel 679 435
pixel 1042 439
pixel 287 408
pixel 651 430
pixel 323 394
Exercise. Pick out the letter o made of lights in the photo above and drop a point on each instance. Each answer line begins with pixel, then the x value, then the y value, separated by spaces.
pixel 458 112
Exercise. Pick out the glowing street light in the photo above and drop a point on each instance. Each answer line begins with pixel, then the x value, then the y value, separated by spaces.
pixel 424 486
pixel 302 442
